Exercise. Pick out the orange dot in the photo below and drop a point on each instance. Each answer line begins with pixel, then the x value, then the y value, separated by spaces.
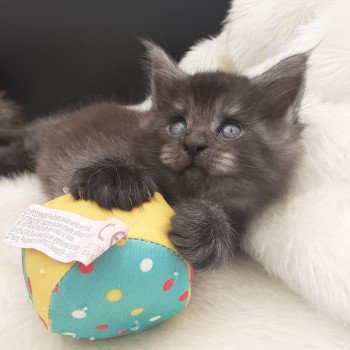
pixel 114 295
pixel 137 311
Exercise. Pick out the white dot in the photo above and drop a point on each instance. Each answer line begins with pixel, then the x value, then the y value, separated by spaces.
pixel 42 271
pixel 70 334
pixel 146 265
pixel 79 314
pixel 92 338
pixel 154 318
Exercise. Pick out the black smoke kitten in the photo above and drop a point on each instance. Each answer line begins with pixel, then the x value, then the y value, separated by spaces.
pixel 220 148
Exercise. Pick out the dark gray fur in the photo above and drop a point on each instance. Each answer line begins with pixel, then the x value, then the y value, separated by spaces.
pixel 119 157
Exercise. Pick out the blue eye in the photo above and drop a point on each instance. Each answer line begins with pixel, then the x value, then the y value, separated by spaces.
pixel 230 131
pixel 178 127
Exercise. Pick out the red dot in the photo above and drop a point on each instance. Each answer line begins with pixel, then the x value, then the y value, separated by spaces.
pixel 55 290
pixel 86 269
pixel 183 296
pixel 123 331
pixel 168 284
pixel 30 285
pixel 102 327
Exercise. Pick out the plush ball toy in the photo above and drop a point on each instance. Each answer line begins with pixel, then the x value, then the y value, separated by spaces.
pixel 137 283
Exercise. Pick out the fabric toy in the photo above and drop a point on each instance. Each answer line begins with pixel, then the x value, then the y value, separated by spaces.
pixel 137 283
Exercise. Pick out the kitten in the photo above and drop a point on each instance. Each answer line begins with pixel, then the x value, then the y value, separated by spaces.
pixel 220 147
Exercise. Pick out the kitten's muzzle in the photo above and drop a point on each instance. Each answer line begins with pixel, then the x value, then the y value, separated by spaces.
pixel 194 146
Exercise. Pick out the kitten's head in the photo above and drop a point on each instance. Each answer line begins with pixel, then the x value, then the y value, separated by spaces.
pixel 219 125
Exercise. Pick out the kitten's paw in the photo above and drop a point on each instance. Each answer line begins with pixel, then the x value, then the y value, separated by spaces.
pixel 202 234
pixel 113 183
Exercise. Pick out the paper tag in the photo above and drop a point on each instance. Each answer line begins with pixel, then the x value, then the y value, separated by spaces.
pixel 65 236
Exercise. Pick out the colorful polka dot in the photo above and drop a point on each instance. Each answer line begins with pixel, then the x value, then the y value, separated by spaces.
pixel 86 269
pixel 146 265
pixel 183 296
pixel 114 295
pixel 79 314
pixel 70 334
pixel 154 318
pixel 168 284
pixel 124 331
pixel 101 327
pixel 55 290
pixel 136 311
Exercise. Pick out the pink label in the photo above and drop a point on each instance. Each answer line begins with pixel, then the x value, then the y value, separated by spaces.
pixel 65 236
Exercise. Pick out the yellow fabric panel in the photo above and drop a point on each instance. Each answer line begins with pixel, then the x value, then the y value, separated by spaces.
pixel 44 274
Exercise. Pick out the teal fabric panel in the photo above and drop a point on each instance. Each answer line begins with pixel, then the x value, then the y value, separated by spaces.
pixel 127 289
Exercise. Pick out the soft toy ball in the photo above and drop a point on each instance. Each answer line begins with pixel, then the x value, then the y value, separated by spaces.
pixel 136 284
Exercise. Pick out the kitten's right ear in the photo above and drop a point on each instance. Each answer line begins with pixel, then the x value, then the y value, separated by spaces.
pixel 164 71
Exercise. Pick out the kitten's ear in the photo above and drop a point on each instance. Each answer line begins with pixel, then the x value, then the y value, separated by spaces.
pixel 164 71
pixel 281 87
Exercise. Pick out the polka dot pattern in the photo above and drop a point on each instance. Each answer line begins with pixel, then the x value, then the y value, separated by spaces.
pixel 168 284
pixel 146 265
pixel 137 311
pixel 101 327
pixel 117 295
pixel 183 296
pixel 114 295
pixel 154 318
pixel 86 269
pixel 79 314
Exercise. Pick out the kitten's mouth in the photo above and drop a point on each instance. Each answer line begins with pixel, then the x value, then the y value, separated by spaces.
pixel 194 168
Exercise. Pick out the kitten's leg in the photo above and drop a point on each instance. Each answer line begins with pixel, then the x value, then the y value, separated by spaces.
pixel 203 234
pixel 112 182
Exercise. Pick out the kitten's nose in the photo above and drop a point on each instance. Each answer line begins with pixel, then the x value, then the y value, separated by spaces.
pixel 193 147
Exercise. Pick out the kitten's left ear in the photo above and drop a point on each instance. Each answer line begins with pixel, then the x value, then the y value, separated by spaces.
pixel 164 71
pixel 281 87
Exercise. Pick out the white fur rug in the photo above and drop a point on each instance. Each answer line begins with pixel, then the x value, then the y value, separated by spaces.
pixel 304 241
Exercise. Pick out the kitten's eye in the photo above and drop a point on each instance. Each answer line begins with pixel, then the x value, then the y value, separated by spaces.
pixel 230 131
pixel 178 127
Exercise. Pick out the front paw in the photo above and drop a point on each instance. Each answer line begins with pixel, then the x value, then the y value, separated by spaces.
pixel 202 233
pixel 113 183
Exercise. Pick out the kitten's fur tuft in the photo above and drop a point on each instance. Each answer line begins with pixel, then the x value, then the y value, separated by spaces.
pixel 119 157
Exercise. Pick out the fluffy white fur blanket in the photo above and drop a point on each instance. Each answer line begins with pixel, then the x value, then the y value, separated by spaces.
pixel 304 241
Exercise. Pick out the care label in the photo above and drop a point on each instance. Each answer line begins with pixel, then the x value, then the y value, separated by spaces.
pixel 65 236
